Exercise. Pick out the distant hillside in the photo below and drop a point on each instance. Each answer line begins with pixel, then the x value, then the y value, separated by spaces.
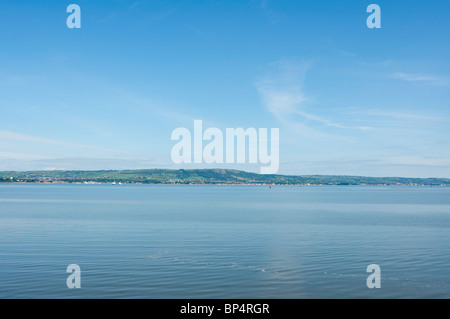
pixel 204 176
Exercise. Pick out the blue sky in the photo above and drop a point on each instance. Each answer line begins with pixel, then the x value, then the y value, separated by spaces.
pixel 347 99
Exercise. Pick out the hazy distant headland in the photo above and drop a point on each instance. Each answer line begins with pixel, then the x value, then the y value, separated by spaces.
pixel 203 176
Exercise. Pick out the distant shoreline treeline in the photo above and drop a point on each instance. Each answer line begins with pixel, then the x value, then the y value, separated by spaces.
pixel 204 176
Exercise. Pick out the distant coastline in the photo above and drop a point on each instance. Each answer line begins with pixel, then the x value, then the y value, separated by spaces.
pixel 204 176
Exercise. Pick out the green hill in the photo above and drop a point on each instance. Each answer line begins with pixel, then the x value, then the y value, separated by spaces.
pixel 204 176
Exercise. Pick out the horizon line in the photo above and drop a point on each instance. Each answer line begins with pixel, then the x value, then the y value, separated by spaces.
pixel 214 169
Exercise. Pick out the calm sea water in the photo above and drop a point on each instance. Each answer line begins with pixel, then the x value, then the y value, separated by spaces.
pixel 170 241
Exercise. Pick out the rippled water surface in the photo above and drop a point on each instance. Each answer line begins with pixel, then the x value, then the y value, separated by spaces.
pixel 186 241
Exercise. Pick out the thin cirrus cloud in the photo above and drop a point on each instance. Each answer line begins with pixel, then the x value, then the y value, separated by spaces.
pixel 408 116
pixel 418 160
pixel 283 95
pixel 7 135
pixel 418 77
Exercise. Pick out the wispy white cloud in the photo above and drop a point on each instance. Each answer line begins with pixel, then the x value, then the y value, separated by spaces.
pixel 19 156
pixel 377 64
pixel 419 77
pixel 408 116
pixel 418 160
pixel 282 102
pixel 345 53
pixel 282 90
pixel 283 95
pixel 15 162
pixel 330 123
pixel 7 135
pixel 405 166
